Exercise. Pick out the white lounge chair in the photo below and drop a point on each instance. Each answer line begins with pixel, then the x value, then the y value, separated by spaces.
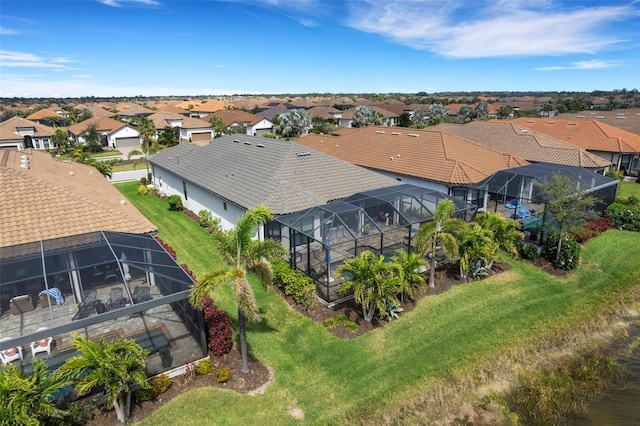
pixel 10 354
pixel 42 345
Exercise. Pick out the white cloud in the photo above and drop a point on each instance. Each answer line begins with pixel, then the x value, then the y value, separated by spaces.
pixel 8 31
pixel 29 60
pixel 593 64
pixel 490 29
pixel 123 3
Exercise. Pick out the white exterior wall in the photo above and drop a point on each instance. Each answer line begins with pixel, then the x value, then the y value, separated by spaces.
pixel 197 198
pixel 345 122
pixel 123 132
pixel 263 124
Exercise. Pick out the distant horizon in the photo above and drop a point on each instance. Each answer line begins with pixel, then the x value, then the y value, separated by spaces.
pixel 155 48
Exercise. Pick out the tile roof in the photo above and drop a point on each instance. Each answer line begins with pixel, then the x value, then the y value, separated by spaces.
pixel 230 116
pixel 133 110
pixel 283 175
pixel 511 138
pixel 54 199
pixel 174 109
pixel 44 113
pixel 588 134
pixel 8 135
pixel 210 106
pixel 15 122
pixel 103 124
pixel 430 155
pixel 99 112
pixel 625 119
pixel 323 111
pixel 160 120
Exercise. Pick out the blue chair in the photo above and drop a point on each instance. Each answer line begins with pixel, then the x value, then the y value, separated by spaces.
pixel 523 213
pixel 513 204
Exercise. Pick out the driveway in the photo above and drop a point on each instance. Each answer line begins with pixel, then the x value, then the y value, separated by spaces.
pixel 127 176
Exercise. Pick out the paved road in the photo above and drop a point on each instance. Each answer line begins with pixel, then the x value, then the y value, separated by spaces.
pixel 130 175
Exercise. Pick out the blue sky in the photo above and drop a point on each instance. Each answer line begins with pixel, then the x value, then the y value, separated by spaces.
pixel 157 47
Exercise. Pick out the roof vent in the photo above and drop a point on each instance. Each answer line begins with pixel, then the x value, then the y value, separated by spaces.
pixel 551 122
pixel 599 116
pixel 396 133
pixel 621 117
pixel 380 131
pixel 303 154
pixel 524 130
pixel 337 145
pixel 24 162
pixel 247 143
pixel 71 173
pixel 391 158
pixel 530 121
pixel 236 140
pixel 123 202
pixel 579 116
pixel 414 135
pixel 572 123
pixel 398 155
pixel 260 145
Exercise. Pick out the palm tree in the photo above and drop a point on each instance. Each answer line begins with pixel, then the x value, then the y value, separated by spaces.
pixel 25 399
pixel 413 279
pixel 505 232
pixel 247 255
pixel 374 282
pixel 475 243
pixel 116 366
pixel 293 123
pixel 150 146
pixel 439 232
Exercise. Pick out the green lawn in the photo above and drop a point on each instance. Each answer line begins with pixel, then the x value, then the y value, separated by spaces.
pixel 332 380
pixel 126 167
pixel 113 153
pixel 627 189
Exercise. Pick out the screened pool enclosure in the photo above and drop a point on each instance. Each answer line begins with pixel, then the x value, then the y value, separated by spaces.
pixel 384 220
pixel 103 285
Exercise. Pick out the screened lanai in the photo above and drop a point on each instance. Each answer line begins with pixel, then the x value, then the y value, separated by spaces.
pixel 101 284
pixel 515 193
pixel 384 220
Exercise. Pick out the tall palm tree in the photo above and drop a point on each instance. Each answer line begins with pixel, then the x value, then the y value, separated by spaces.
pixel 413 280
pixel 116 366
pixel 150 146
pixel 475 243
pixel 246 255
pixel 441 232
pixel 25 399
pixel 374 282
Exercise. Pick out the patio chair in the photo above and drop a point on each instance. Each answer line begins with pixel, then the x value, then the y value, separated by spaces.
pixel 42 345
pixel 116 299
pixel 141 294
pixel 88 306
pixel 523 213
pixel 10 354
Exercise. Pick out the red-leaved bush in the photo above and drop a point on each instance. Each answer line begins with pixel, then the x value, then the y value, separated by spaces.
pixel 218 328
pixel 591 229
pixel 185 268
pixel 167 247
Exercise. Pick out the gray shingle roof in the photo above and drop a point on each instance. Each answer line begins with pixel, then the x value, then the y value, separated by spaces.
pixel 283 175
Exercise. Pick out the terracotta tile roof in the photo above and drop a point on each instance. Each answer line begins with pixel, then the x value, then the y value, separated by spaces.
pixel 133 110
pixel 588 134
pixel 209 107
pixel 55 199
pixel 174 109
pixel 324 112
pixel 625 119
pixel 16 122
pixel 103 124
pixel 185 104
pixel 511 138
pixel 7 135
pixel 44 113
pixel 430 155
pixel 160 120
pixel 230 116
pixel 99 112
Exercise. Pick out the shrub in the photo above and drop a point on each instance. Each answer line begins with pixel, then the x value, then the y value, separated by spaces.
pixel 141 395
pixel 530 252
pixel 142 189
pixel 144 181
pixel 185 268
pixel 207 220
pixel 615 174
pixel 218 324
pixel 223 374
pixel 293 283
pixel 161 384
pixel 624 216
pixel 591 229
pixel 152 190
pixel 175 202
pixel 167 248
pixel 343 320
pixel 205 367
pixel 569 252
pixel 76 414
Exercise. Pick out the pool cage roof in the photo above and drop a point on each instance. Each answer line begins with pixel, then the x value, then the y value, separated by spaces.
pixel 42 261
pixel 515 182
pixel 405 205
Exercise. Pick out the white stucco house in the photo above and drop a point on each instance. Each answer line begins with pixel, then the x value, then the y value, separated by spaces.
pixel 20 133
pixel 115 134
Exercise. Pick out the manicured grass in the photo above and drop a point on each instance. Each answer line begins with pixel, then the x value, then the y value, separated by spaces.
pixel 627 189
pixel 332 380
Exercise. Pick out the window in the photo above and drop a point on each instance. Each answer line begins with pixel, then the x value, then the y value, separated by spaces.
pixel 184 189
pixel 224 205
pixel 45 143
pixel 273 230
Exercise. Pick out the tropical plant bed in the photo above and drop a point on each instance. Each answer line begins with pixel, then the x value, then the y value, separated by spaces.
pixel 546 266
pixel 446 278
pixel 256 379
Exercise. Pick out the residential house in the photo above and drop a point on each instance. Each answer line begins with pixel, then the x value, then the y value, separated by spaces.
pixel 244 122
pixel 132 111
pixel 26 134
pixel 510 138
pixel 432 159
pixel 48 117
pixel 624 119
pixel 76 257
pixel 610 143
pixel 390 118
pixel 115 134
pixel 175 110
pixel 327 113
pixel 191 129
pixel 304 188
pixel 205 109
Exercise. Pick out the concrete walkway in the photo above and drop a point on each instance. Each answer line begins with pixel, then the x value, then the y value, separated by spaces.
pixel 128 176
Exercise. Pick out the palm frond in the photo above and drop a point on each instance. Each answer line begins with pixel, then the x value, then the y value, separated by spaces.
pixel 207 284
pixel 262 268
pixel 244 294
